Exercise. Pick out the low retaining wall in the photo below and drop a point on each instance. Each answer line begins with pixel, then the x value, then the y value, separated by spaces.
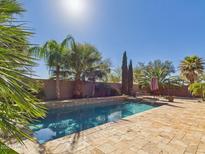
pixel 76 102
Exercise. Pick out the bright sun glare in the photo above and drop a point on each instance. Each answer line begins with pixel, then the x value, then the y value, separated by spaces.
pixel 74 8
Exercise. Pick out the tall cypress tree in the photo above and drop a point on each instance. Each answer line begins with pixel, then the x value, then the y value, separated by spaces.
pixel 124 74
pixel 130 78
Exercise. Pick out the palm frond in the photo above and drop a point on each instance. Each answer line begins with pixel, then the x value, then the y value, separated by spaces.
pixel 18 107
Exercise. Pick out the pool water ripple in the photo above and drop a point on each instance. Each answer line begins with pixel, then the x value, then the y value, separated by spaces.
pixel 65 121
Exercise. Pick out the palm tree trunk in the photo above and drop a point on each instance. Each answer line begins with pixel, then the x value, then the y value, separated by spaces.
pixel 58 81
pixel 192 77
pixel 77 92
pixel 93 88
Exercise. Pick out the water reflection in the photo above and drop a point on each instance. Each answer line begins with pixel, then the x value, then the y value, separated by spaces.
pixel 44 134
pixel 61 122
pixel 115 116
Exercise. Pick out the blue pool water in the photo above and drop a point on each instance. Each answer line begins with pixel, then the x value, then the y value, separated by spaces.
pixel 65 121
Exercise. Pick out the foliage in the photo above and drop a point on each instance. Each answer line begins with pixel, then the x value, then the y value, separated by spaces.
pixel 6 150
pixel 71 60
pixel 137 72
pixel 18 107
pixel 39 93
pixel 85 63
pixel 174 81
pixel 143 73
pixel 201 78
pixel 55 55
pixel 98 72
pixel 191 68
pixel 130 78
pixel 115 76
pixel 197 89
pixel 170 98
pixel 124 74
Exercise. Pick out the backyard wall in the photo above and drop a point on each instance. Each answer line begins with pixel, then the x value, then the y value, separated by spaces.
pixel 66 88
pixel 176 91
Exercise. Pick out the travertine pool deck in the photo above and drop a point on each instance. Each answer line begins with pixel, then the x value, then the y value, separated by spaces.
pixel 175 128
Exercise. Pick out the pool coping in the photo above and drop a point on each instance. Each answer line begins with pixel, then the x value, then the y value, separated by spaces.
pixel 137 100
pixel 102 144
pixel 84 101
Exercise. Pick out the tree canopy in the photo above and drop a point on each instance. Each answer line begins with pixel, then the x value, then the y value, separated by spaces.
pixel 55 55
pixel 124 74
pixel 191 68
pixel 143 73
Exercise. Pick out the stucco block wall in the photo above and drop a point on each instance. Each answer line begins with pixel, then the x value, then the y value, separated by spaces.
pixel 177 91
pixel 66 88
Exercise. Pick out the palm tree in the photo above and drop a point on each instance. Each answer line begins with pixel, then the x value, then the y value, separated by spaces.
pixel 55 54
pixel 18 107
pixel 86 64
pixel 144 73
pixel 201 78
pixel 98 72
pixel 191 68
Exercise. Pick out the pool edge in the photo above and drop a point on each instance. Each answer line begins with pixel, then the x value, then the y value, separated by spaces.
pixel 94 129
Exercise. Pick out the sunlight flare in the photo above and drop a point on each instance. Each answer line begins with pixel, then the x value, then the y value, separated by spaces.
pixel 77 9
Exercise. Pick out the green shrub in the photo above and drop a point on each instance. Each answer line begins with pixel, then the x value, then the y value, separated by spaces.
pixel 198 89
pixel 39 91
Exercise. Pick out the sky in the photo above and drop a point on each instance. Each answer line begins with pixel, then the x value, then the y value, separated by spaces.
pixel 146 29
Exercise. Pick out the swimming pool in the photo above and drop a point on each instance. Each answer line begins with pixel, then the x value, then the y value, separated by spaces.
pixel 64 121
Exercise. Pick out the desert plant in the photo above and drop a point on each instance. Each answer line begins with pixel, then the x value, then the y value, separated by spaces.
pixel 169 98
pixel 85 63
pixel 197 89
pixel 191 68
pixel 99 72
pixel 144 73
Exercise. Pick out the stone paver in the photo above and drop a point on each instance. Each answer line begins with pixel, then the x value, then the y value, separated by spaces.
pixel 175 128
